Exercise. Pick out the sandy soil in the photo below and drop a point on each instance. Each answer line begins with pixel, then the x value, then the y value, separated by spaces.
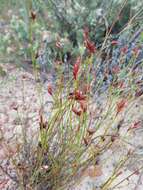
pixel 20 102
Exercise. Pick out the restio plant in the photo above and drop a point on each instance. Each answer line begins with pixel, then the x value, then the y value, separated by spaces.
pixel 96 56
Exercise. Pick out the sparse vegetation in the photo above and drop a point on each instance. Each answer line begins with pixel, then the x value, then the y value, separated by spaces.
pixel 72 71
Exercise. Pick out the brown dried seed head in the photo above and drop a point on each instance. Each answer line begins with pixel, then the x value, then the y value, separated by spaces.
pixel 91 131
pixel 85 141
pixel 33 15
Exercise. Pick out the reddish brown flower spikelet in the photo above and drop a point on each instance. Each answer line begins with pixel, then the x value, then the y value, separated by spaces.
pixel 33 15
pixel 124 49
pixel 88 44
pixel 50 90
pixel 76 67
pixel 116 69
pixel 83 105
pixel 77 112
pixel 85 141
pixel 121 105
pixel 135 125
pixel 136 51
pixel 114 42
pixel 79 95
